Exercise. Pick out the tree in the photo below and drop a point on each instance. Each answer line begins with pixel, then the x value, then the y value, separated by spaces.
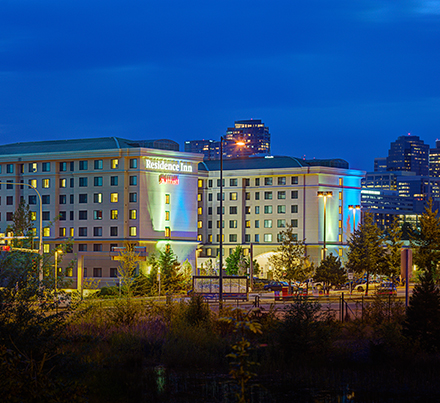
pixel 366 253
pixel 169 266
pixel 330 272
pixel 235 262
pixel 290 261
pixel 426 241
pixel 22 226
pixel 128 263
pixel 394 246
pixel 423 313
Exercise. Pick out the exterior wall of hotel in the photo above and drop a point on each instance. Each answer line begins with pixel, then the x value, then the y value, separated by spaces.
pixel 105 212
pixel 300 186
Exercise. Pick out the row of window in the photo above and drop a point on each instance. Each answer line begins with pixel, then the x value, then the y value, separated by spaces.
pixel 281 223
pixel 281 209
pixel 281 195
pixel 247 238
pixel 64 166
pixel 83 231
pixel 268 181
pixel 82 198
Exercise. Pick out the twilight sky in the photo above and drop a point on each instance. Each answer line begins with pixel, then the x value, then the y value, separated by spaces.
pixel 331 79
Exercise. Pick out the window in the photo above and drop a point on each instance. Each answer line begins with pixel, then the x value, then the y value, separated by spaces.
pixel 294 194
pixel 218 210
pixel 210 183
pixel 247 238
pixel 257 223
pixel 257 195
pixel 232 237
pixel 167 232
pixel 267 237
pixel 97 181
pixel 199 210
pixel 97 231
pixel 113 214
pixel 257 181
pixel 9 200
pixel 281 223
pixel 33 216
pixel 268 209
pixel 294 180
pixel 32 199
pixel 232 223
pixel 9 216
pixel 33 183
pixel 281 180
pixel 199 237
pixel 82 182
pixel 199 197
pixel 267 195
pixel 63 183
pixel 294 208
pixel 45 199
pixel 167 216
pixel 113 231
pixel 294 223
pixel 233 196
pixel 72 231
pixel 97 214
pixel 199 224
pixel 45 166
pixel 209 224
pixel 257 209
pixel 133 180
pixel 82 247
pixel 113 272
pixel 9 168
pixel 72 199
pixel 97 198
pixel 247 196
pixel 133 163
pixel 71 215
pixel 267 223
pixel 268 181
pixel 97 164
pixel 167 199
pixel 218 196
pixel 33 167
pixel 257 237
pixel 114 163
pixel 209 240
pixel 63 166
pixel 113 181
pixel 218 183
pixel 72 182
pixel 281 209
pixel 281 195
pixel 132 197
pixel 247 223
pixel 63 199
pixel 9 185
pixel 62 231
pixel 133 214
pixel 46 231
pixel 218 224
pixel 233 182
pixel 133 231
pixel 247 209
pixel 113 197
pixel 82 231
pixel 233 210
pixel 83 165
pixel 63 216
pixel 82 198
pixel 97 272
pixel 46 215
pixel 209 196
pixel 72 166
pixel 82 214
pixel 246 182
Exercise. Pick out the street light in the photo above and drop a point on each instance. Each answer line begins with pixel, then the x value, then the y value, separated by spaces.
pixel 56 277
pixel 324 195
pixel 354 208
pixel 40 246
pixel 220 282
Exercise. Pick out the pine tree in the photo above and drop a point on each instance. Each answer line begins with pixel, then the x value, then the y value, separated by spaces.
pixel 366 253
pixel 128 259
pixel 169 266
pixel 423 313
pixel 330 272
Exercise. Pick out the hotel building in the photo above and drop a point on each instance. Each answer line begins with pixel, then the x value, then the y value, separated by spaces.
pixel 102 192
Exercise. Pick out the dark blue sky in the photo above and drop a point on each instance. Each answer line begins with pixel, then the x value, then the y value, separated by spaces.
pixel 331 79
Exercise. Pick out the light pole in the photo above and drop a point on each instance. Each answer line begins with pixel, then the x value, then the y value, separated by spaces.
pixel 40 246
pixel 220 282
pixel 56 277
pixel 354 208
pixel 325 195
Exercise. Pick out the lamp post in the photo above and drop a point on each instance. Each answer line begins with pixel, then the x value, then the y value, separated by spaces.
pixel 354 208
pixel 40 246
pixel 220 282
pixel 325 195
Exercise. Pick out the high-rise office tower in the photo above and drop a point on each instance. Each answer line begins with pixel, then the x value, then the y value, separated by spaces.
pixel 434 160
pixel 409 153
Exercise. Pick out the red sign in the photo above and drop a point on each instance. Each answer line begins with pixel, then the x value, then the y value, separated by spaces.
pixel 168 179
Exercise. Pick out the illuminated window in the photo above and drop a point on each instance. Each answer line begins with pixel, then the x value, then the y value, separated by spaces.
pixel 209 238
pixel 247 196
pixel 340 251
pixel 72 231
pixel 46 231
pixel 114 163
pixel 199 238
pixel 232 223
pixel 199 224
pixel 113 197
pixel 97 198
pixel 340 195
pixel 113 214
pixel 133 214
pixel 167 199
pixel 133 231
pixel 233 196
pixel 33 216
pixel 199 211
pixel 340 209
pixel 247 223
pixel 33 183
pixel 97 215
pixel 63 183
pixel 167 216
pixel 46 248
pixel 267 237
pixel 199 197
pixel 33 167
pixel 340 223
pixel 341 181
pixel 62 231
pixel 340 237
pixel 267 223
pixel 200 183
pixel 167 232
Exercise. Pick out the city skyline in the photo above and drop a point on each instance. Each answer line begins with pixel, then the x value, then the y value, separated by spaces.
pixel 330 79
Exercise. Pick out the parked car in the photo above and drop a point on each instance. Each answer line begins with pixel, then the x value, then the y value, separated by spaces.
pixel 387 288
pixel 275 286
